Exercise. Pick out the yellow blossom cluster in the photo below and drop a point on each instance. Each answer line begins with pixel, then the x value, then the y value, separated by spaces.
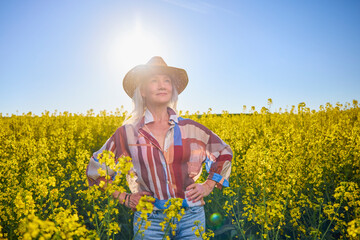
pixel 173 211
pixel 145 207
pixel 295 175
pixel 199 231
pixel 32 228
pixel 286 168
pixel 44 191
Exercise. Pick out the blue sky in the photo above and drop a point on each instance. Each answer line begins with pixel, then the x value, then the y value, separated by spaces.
pixel 72 55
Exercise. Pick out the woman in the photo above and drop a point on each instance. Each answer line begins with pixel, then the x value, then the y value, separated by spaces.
pixel 167 151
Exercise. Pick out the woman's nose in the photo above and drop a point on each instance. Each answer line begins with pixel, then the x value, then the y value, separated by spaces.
pixel 161 84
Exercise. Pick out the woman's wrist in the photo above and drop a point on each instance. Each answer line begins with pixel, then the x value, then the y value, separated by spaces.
pixel 128 201
pixel 210 183
pixel 120 196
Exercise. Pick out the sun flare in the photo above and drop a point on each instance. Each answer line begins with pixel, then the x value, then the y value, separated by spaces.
pixel 134 47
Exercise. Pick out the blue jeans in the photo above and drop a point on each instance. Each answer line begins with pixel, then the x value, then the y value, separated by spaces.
pixel 183 229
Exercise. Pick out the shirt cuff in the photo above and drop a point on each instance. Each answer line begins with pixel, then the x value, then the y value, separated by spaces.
pixel 221 181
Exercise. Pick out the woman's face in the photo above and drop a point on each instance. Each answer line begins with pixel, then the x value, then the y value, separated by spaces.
pixel 157 90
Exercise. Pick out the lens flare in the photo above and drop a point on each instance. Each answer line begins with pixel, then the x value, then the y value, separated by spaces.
pixel 216 219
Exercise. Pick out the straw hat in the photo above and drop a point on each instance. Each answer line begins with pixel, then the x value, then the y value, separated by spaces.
pixel 156 65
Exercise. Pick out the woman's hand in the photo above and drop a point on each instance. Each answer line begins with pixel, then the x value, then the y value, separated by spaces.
pixel 199 191
pixel 134 198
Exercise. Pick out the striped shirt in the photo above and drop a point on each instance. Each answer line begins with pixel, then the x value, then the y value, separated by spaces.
pixel 167 172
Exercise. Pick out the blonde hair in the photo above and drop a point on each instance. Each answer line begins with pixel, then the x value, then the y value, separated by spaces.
pixel 139 106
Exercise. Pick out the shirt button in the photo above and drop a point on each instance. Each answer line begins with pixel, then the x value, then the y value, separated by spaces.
pixel 168 182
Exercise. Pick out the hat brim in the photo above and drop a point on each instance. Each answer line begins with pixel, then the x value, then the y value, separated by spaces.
pixel 138 74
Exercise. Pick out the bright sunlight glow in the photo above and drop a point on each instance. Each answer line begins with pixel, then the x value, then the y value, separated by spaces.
pixel 132 48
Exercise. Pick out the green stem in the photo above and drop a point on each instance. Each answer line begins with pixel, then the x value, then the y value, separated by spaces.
pixel 52 209
pixel 264 202
pixel 318 228
pixel 199 231
pixel 139 228
pixel 236 218
pixel 107 216
pixel 167 230
pixel 96 221
pixel 286 202
pixel 327 229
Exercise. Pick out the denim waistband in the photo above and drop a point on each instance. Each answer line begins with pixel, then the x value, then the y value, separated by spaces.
pixel 160 204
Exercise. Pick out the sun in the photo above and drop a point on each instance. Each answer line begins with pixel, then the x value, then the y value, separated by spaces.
pixel 134 47
pixel 139 46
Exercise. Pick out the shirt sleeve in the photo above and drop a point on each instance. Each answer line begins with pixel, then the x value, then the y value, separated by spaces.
pixel 218 160
pixel 114 144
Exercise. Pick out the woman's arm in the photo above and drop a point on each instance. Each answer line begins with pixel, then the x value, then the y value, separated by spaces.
pixel 218 165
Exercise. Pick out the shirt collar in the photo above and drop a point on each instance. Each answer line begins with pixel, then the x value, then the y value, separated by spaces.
pixel 148 118
pixel 173 117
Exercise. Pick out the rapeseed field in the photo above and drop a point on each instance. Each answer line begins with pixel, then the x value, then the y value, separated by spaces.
pixel 295 175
